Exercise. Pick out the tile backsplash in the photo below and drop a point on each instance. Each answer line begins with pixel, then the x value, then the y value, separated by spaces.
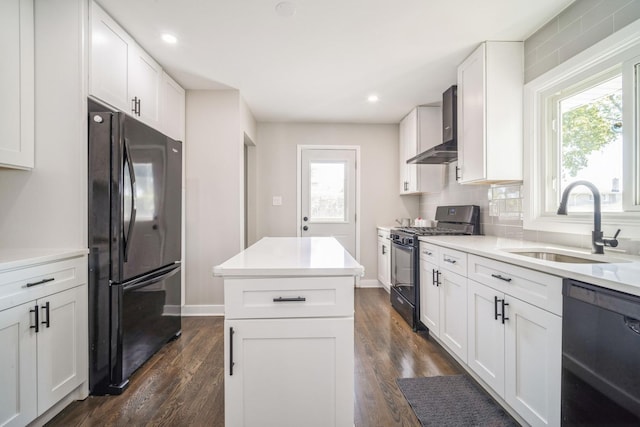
pixel 501 213
pixel 500 205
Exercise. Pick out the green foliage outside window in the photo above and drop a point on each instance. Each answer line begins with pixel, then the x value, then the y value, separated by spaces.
pixel 588 128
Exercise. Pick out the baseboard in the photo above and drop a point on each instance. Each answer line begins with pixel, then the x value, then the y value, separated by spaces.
pixel 172 310
pixel 369 283
pixel 203 310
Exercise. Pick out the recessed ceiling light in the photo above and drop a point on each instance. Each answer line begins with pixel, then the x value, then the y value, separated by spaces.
pixel 286 9
pixel 373 99
pixel 169 38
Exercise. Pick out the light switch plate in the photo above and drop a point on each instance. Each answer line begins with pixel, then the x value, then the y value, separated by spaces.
pixel 277 201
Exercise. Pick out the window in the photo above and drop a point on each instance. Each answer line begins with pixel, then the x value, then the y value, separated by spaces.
pixel 582 121
pixel 327 192
pixel 586 143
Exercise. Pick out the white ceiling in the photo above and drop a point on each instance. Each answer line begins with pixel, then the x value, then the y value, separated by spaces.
pixel 320 64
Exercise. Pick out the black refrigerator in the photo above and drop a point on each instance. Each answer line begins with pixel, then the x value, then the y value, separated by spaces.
pixel 135 208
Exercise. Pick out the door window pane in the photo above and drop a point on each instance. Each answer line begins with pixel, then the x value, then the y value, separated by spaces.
pixel 590 135
pixel 327 192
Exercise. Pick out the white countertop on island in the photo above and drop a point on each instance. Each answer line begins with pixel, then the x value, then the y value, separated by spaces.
pixel 621 272
pixel 18 258
pixel 292 256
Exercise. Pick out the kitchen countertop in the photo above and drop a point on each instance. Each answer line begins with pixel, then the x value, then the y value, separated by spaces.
pixel 11 259
pixel 387 227
pixel 622 273
pixel 291 256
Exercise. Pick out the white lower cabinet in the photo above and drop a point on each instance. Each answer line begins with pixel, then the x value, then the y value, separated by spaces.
pixel 442 292
pixel 62 344
pixel 384 259
pixel 44 354
pixel 486 335
pixel 18 390
pixel 43 337
pixel 429 297
pixel 289 351
pixel 533 363
pixel 518 357
pixel 502 321
pixel 272 363
pixel 453 319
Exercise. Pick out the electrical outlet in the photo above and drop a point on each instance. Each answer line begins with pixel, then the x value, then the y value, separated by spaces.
pixel 277 201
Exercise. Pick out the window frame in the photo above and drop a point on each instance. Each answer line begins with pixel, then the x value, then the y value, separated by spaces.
pixel 622 47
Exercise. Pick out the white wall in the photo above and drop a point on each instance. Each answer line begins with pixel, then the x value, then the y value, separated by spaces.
pixel 215 127
pixel 47 207
pixel 380 202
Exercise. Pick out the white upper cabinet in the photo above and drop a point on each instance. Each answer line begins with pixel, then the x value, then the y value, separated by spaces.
pixel 490 84
pixel 124 76
pixel 17 84
pixel 419 131
pixel 109 64
pixel 145 76
pixel 172 107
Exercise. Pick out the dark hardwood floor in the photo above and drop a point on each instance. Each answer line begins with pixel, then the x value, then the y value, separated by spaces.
pixel 182 385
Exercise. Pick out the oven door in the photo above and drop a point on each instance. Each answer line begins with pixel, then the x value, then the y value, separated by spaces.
pixel 403 269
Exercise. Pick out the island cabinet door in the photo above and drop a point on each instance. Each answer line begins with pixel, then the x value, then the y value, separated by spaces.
pixel 281 372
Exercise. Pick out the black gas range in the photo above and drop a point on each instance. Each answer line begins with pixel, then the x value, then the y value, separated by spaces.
pixel 405 270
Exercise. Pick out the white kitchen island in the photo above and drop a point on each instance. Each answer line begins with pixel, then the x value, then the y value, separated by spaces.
pixel 289 333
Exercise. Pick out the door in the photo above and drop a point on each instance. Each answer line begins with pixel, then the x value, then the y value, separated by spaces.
pixel 384 261
pixel 18 402
pixel 486 335
pixel 533 355
pixel 144 85
pixel 328 195
pixel 289 373
pixel 403 267
pixel 62 341
pixel 149 315
pixel 453 316
pixel 430 297
pixel 152 200
pixel 471 117
pixel 109 63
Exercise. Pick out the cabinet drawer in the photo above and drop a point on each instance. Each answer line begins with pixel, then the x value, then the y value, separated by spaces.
pixel 540 289
pixel 383 234
pixel 453 260
pixel 429 252
pixel 288 297
pixel 24 284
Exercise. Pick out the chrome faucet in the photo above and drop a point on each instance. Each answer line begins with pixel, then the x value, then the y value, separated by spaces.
pixel 597 238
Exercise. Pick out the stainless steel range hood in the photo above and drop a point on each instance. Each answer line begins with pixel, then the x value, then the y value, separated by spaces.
pixel 446 152
pixel 440 154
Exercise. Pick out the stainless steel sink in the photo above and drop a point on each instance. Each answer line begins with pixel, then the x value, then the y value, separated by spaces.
pixel 564 256
pixel 555 257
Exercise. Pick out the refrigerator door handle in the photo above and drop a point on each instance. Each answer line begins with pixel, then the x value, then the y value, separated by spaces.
pixel 149 279
pixel 132 177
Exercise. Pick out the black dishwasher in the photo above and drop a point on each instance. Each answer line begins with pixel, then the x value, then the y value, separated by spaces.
pixel 600 356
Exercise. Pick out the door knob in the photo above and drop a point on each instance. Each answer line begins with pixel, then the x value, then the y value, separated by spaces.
pixel 305 228
pixel 305 218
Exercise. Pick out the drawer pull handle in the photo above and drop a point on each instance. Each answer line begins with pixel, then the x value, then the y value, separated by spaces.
pixel 449 260
pixel 427 253
pixel 50 279
pixel 295 299
pixel 498 276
